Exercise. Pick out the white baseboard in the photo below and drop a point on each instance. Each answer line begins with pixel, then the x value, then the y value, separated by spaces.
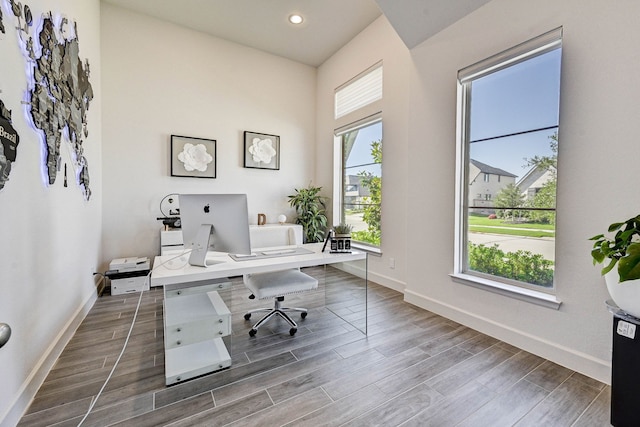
pixel 387 282
pixel 357 270
pixel 39 373
pixel 567 357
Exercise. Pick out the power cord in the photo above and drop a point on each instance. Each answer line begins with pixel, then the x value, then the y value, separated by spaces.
pixel 126 342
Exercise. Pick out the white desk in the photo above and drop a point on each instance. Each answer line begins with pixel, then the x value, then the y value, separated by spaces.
pixel 201 353
pixel 173 268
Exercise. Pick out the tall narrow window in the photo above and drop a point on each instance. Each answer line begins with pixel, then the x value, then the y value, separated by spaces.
pixel 362 182
pixel 358 160
pixel 509 109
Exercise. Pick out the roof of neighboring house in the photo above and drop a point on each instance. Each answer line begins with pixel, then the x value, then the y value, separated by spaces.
pixel 534 173
pixel 484 168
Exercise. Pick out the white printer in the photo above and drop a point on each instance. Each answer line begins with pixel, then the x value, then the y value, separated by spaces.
pixel 122 265
pixel 129 275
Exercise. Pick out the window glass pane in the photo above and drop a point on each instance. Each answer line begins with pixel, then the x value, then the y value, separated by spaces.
pixel 511 175
pixel 519 98
pixel 362 182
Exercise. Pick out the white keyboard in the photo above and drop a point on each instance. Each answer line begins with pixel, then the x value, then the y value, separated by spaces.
pixel 279 252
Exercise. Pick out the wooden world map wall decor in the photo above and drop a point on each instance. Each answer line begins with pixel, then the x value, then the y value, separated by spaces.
pixel 9 140
pixel 59 92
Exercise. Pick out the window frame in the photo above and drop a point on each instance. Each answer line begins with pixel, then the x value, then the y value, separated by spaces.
pixel 339 186
pixel 542 44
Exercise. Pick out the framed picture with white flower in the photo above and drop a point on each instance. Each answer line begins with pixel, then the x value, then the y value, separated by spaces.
pixel 261 151
pixel 193 157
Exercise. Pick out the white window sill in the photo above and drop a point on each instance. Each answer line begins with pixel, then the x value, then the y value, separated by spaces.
pixel 365 248
pixel 523 294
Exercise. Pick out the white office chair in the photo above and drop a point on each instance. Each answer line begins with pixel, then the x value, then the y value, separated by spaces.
pixel 278 284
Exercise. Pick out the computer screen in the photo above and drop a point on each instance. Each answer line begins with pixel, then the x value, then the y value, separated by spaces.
pixel 214 222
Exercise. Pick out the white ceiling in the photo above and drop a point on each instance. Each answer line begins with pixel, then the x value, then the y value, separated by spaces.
pixel 328 25
pixel 262 24
pixel 417 20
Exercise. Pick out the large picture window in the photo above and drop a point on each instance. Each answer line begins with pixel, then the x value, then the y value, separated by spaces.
pixel 507 165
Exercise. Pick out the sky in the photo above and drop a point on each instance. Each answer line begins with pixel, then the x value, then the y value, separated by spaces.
pixel 361 151
pixel 519 98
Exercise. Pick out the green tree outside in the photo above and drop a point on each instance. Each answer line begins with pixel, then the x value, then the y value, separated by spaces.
pixel 509 197
pixel 372 203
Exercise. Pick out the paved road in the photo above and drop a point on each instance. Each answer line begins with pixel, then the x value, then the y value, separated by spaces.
pixel 536 245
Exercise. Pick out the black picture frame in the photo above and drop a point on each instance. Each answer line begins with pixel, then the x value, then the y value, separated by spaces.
pixel 199 160
pixel 256 151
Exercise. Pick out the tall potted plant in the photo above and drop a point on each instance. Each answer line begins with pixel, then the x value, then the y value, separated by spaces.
pixel 621 250
pixel 310 207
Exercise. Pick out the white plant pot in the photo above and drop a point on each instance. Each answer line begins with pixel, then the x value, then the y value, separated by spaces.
pixel 626 295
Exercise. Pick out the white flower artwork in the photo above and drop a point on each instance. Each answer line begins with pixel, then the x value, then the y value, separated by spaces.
pixel 262 150
pixel 195 157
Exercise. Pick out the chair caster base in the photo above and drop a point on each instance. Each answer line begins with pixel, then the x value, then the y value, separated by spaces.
pixel 292 331
pixel 253 332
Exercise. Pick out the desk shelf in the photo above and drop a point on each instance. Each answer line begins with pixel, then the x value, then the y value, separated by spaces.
pixel 195 320
pixel 183 363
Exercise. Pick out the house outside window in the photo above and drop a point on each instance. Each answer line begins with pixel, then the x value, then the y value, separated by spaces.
pixel 509 109
pixel 358 159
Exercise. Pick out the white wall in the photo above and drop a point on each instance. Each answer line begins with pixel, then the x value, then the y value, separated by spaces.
pixel 378 42
pixel 598 150
pixel 161 79
pixel 50 234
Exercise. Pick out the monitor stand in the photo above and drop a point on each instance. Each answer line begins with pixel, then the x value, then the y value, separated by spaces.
pixel 198 255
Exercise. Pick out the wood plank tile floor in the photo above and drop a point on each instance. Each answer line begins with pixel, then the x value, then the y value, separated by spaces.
pixel 414 368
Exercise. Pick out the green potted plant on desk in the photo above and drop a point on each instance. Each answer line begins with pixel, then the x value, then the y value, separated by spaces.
pixel 341 239
pixel 621 251
pixel 309 205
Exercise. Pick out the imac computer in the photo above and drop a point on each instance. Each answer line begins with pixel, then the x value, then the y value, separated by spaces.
pixel 214 222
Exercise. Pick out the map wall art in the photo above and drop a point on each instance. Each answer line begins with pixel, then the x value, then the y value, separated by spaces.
pixel 58 89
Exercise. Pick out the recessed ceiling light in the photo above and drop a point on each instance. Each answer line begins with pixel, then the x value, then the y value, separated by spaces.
pixel 295 19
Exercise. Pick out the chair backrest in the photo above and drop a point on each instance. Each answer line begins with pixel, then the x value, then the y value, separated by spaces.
pixel 275 235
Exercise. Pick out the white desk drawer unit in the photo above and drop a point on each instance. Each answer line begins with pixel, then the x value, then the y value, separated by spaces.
pixel 195 320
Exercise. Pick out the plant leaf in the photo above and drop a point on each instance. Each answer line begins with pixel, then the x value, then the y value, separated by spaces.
pixel 609 267
pixel 615 226
pixel 629 266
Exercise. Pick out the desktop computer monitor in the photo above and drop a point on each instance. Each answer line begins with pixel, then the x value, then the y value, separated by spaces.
pixel 214 222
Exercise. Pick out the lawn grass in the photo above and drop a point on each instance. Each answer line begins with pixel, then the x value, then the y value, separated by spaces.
pixel 484 220
pixel 510 231
pixel 482 224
